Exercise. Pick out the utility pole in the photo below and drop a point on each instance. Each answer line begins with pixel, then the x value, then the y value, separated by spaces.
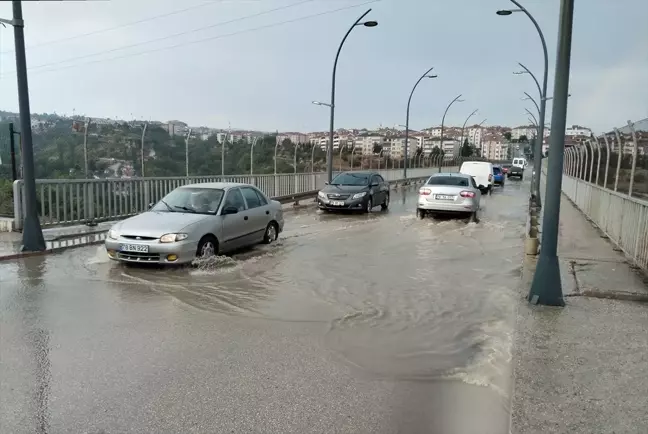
pixel 85 146
pixel 546 288
pixel 143 134
pixel 33 240
pixel 12 152
pixel 187 153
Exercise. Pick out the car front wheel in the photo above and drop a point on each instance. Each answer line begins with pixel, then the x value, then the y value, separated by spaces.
pixel 207 247
pixel 369 205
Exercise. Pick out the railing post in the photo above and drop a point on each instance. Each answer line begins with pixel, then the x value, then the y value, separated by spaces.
pixel 619 158
pixel 17 204
pixel 91 202
pixel 147 193
pixel 635 151
pixel 640 222
pixel 608 151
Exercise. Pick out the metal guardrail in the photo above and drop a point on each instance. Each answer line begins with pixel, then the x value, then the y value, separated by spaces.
pixel 622 218
pixel 65 201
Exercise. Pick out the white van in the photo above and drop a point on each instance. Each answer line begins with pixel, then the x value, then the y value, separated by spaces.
pixel 482 173
pixel 520 162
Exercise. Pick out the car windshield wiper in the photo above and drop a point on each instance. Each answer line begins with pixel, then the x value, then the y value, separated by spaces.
pixel 184 208
pixel 167 205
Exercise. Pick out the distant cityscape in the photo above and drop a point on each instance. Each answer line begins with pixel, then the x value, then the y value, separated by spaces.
pixel 492 142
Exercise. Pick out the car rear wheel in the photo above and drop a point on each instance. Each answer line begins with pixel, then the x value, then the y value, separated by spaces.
pixel 271 233
pixel 207 247
pixel 420 213
pixel 385 204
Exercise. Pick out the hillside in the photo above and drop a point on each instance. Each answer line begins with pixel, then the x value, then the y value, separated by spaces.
pixel 115 150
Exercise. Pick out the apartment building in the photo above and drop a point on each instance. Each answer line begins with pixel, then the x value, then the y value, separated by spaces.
pixel 577 130
pixel 365 143
pixel 495 150
pixel 298 138
pixel 396 148
pixel 524 130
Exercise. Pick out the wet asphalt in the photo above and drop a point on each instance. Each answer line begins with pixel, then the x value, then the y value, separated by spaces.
pixel 350 323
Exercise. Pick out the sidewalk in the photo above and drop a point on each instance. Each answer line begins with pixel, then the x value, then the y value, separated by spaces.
pixel 56 239
pixel 583 368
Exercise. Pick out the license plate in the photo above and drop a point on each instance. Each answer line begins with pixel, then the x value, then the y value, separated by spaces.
pixel 137 248
pixel 337 203
pixel 443 197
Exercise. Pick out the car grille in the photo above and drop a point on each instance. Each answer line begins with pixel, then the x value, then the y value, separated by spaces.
pixel 338 196
pixel 138 237
pixel 139 257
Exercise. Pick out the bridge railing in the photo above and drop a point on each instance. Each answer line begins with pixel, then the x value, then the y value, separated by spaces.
pixel 74 201
pixel 622 218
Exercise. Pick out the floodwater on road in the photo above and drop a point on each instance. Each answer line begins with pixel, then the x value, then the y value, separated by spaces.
pixel 349 323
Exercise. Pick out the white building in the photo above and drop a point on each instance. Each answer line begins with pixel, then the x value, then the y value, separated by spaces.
pixel 495 150
pixel 525 130
pixel 365 143
pixel 576 130
pixel 397 147
pixel 294 138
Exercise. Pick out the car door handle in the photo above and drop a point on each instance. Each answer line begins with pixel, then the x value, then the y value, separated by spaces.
pixel 245 218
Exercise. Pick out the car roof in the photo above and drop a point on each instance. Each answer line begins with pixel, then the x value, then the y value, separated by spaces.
pixel 216 185
pixel 359 172
pixel 456 174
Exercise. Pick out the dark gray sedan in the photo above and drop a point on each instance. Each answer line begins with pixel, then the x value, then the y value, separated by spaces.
pixel 354 191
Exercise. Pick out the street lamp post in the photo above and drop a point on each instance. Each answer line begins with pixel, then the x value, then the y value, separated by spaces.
pixel 537 162
pixel 546 287
pixel 443 122
pixel 463 127
pixel 33 240
pixel 409 101
pixel 187 153
pixel 329 156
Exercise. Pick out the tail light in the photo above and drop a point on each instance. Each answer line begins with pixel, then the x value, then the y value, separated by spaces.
pixel 467 194
pixel 490 177
pixel 425 191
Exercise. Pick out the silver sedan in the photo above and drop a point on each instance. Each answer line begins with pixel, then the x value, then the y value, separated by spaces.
pixel 197 220
pixel 449 193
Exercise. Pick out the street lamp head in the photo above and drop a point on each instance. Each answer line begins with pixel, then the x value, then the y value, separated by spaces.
pixel 431 76
pixel 461 100
pixel 369 24
pixel 504 12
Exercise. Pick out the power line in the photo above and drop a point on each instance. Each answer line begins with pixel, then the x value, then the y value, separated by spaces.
pixel 129 24
pixel 121 26
pixel 163 38
pixel 170 47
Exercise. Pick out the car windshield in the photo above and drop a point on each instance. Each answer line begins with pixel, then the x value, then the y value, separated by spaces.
pixel 457 181
pixel 194 200
pixel 496 170
pixel 351 179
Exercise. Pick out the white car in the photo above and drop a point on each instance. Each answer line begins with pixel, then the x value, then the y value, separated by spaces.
pixel 482 173
pixel 449 193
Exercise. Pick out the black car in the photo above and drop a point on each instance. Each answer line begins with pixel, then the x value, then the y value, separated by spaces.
pixel 354 191
pixel 516 171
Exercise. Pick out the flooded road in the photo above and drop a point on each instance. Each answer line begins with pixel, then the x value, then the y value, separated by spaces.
pixel 379 323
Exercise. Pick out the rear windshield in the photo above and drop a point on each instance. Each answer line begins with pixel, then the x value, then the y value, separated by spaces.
pixel 458 181
pixel 496 170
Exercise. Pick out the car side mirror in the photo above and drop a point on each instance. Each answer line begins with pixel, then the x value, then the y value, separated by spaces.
pixel 326 183
pixel 229 210
pixel 151 205
pixel 374 184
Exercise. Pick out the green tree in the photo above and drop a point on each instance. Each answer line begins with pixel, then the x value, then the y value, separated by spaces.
pixel 466 149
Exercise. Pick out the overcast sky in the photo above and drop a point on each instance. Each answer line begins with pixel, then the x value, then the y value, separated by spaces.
pixel 258 71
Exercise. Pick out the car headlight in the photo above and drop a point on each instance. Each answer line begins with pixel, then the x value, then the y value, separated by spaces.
pixel 321 195
pixel 359 195
pixel 172 238
pixel 113 234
